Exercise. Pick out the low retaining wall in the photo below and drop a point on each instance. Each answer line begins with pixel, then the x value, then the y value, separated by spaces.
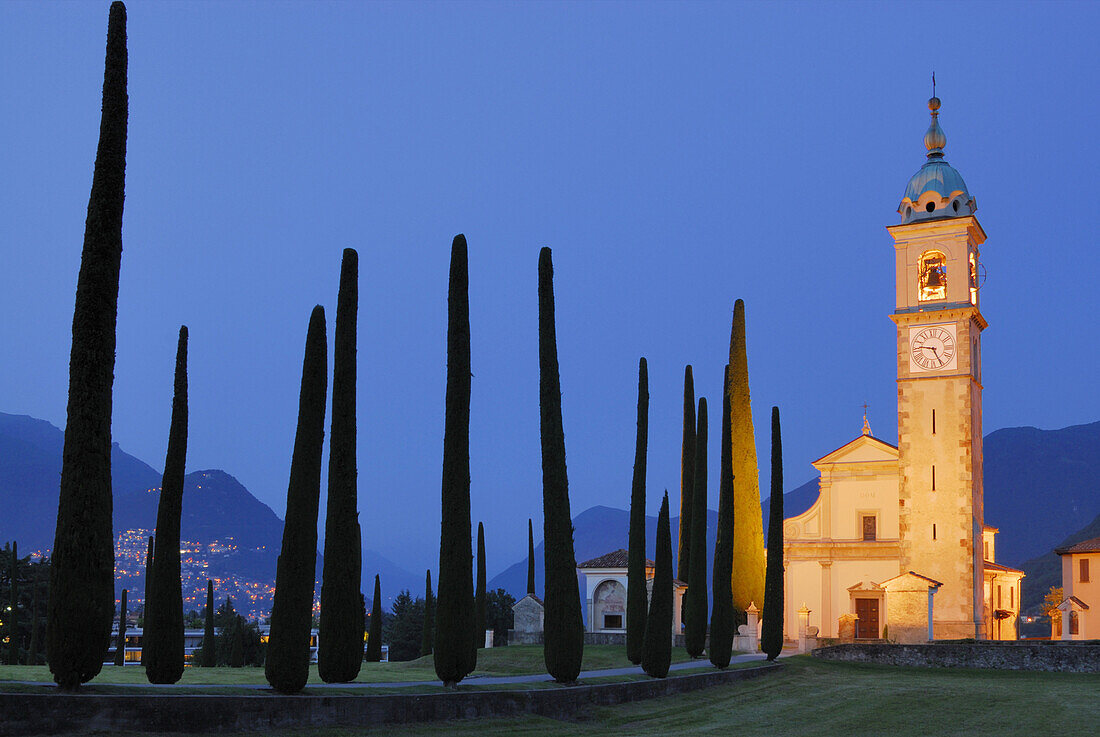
pixel 54 713
pixel 1073 657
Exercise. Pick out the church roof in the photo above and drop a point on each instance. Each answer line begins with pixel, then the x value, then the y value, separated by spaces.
pixel 991 566
pixel 1085 546
pixel 614 559
pixel 863 449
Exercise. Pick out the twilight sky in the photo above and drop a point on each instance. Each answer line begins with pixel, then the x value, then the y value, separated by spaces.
pixel 675 157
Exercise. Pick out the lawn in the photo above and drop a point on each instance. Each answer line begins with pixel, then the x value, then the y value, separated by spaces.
pixel 820 699
pixel 502 661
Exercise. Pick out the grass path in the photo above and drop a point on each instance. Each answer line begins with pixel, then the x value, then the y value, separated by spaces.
pixel 504 661
pixel 819 699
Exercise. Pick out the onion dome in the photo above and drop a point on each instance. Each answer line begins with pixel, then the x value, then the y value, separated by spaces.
pixel 937 190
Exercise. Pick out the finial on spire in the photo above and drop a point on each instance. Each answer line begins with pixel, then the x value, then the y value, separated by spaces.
pixel 866 425
pixel 934 137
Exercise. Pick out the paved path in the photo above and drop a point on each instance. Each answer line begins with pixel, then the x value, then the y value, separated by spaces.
pixel 472 680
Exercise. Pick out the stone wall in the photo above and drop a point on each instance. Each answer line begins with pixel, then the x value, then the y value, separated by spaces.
pixel 52 712
pixel 1074 657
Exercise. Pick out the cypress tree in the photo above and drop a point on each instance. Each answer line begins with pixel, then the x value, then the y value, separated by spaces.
pixel 687 477
pixel 695 623
pixel 287 664
pixel 563 635
pixel 149 554
pixel 340 635
pixel 721 611
pixel 13 617
pixel 374 640
pixel 32 651
pixel 120 647
pixel 530 558
pixel 236 649
pixel 80 608
pixel 635 564
pixel 771 637
pixel 209 652
pixel 162 638
pixel 479 596
pixel 428 635
pixel 452 655
pixel 748 528
pixel 657 646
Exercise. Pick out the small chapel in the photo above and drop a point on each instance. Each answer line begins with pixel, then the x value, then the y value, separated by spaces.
pixel 896 542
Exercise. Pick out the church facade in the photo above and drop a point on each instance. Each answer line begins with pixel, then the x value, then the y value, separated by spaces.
pixel 897 536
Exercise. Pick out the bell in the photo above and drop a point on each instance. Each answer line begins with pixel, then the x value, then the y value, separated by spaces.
pixel 934 278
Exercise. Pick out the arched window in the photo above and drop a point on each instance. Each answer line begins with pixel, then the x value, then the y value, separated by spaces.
pixel 973 280
pixel 932 276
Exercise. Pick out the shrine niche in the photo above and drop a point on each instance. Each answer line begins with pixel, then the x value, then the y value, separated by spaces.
pixel 609 606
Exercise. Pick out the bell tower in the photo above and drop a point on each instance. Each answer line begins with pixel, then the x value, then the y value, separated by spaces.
pixel 939 326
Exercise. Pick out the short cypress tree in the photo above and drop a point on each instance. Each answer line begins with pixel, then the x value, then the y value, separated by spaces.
pixel 428 635
pixel 288 651
pixel 748 529
pixel 32 651
pixel 340 635
pixel 452 655
pixel 771 636
pixel 721 611
pixel 479 595
pixel 80 608
pixel 162 638
pixel 687 478
pixel 657 646
pixel 374 639
pixel 13 617
pixel 120 646
pixel 563 634
pixel 530 558
pixel 209 657
pixel 236 648
pixel 695 624
pixel 635 563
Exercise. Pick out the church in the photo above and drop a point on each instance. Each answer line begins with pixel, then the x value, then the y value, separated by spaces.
pixel 896 541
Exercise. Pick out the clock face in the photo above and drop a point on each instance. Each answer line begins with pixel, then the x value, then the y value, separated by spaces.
pixel 932 348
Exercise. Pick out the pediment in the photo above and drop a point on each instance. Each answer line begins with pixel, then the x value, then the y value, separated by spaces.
pixel 867 585
pixel 864 449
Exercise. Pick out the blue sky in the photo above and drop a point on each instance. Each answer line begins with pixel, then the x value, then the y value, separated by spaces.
pixel 676 156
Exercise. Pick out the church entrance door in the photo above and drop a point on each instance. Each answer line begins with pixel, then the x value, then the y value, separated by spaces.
pixel 867 611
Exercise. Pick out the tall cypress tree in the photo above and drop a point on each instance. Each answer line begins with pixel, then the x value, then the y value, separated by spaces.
pixel 635 563
pixel 695 624
pixel 120 646
pixel 771 638
pixel 150 553
pixel 721 610
pixel 162 638
pixel 563 633
pixel 530 557
pixel 374 639
pixel 288 651
pixel 428 635
pixel 452 656
pixel 748 528
pixel 340 635
pixel 209 657
pixel 687 477
pixel 657 645
pixel 81 605
pixel 479 596
pixel 13 616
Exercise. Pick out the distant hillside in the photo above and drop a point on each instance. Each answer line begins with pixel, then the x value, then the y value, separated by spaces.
pixel 1039 485
pixel 1046 570
pixel 227 534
